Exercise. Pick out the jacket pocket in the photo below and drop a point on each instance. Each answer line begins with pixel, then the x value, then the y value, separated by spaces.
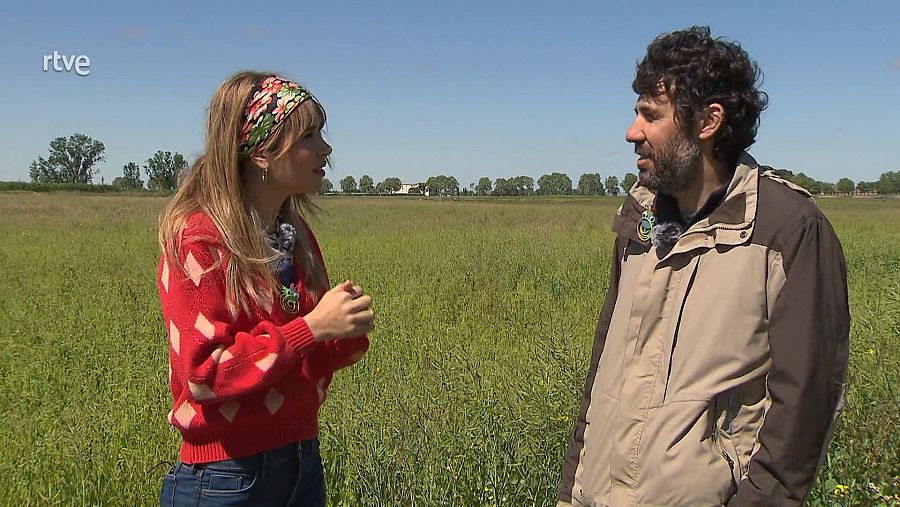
pixel 724 445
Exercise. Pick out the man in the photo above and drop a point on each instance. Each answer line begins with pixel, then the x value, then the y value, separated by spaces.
pixel 721 351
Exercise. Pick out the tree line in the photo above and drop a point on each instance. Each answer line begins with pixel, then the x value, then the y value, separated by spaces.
pixel 73 160
pixel 887 183
pixel 548 184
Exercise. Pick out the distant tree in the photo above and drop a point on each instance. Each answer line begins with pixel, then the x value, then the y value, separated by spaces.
pixel 392 184
pixel 366 185
pixel 132 171
pixel 806 182
pixel 866 186
pixel 502 187
pixel 825 187
pixel 628 181
pixel 71 160
pixel 844 186
pixel 163 170
pixel 348 185
pixel 589 184
pixel 130 179
pixel 379 188
pixel 781 173
pixel 442 185
pixel 888 183
pixel 522 185
pixel 555 184
pixel 327 186
pixel 612 185
pixel 483 187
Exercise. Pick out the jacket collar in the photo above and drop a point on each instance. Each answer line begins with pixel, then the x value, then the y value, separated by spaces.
pixel 730 223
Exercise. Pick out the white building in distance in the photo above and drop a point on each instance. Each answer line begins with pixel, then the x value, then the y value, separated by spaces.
pixel 406 187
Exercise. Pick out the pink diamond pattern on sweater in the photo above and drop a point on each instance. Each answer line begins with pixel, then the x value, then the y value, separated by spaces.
pixel 265 363
pixel 231 356
pixel 229 410
pixel 185 414
pixel 273 401
pixel 221 355
pixel 164 276
pixel 201 392
pixel 174 337
pixel 205 327
pixel 193 269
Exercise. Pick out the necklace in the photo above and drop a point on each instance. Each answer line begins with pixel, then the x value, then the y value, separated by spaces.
pixel 282 240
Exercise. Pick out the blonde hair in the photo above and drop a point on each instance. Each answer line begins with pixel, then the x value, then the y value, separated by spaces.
pixel 214 187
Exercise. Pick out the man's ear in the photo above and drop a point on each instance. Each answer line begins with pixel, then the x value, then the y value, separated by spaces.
pixel 711 120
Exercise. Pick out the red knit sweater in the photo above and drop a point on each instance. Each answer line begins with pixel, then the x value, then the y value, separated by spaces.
pixel 240 385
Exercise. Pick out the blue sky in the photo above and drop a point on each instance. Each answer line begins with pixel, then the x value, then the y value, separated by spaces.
pixel 467 89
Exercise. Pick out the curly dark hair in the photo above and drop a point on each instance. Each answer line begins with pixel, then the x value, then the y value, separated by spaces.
pixel 696 70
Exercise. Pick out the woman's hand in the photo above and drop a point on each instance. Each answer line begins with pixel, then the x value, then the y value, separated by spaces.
pixel 343 312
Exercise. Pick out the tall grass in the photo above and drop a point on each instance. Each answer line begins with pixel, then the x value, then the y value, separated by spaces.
pixel 486 311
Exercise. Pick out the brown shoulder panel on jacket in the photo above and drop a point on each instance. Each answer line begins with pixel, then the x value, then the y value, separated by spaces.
pixel 780 212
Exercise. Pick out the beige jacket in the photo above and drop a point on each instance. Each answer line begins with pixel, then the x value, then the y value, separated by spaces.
pixel 719 363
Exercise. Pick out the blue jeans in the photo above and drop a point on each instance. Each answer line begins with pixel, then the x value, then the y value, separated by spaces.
pixel 289 475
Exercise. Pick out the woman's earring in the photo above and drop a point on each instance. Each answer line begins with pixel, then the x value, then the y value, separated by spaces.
pixel 265 173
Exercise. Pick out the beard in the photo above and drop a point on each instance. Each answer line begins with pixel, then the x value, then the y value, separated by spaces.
pixel 675 164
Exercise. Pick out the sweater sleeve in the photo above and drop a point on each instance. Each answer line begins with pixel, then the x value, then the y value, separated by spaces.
pixel 218 362
pixel 808 341
pixel 332 355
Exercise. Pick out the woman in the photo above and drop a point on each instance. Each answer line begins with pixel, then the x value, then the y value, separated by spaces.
pixel 254 333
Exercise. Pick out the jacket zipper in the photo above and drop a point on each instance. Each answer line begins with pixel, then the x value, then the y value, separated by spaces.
pixel 730 462
pixel 728 459
pixel 731 467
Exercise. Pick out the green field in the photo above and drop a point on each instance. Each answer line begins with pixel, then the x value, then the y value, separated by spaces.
pixel 486 311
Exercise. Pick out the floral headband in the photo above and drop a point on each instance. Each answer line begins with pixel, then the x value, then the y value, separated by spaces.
pixel 268 108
